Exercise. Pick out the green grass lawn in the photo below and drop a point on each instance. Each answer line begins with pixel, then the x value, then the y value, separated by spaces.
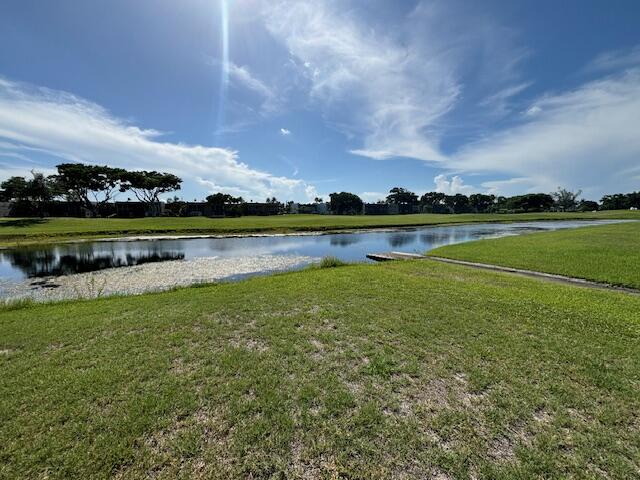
pixel 606 253
pixel 15 231
pixel 397 370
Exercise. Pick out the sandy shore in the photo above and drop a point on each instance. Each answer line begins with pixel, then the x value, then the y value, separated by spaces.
pixel 147 278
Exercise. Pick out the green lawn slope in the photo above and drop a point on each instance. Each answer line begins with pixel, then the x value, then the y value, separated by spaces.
pixel 605 253
pixel 397 370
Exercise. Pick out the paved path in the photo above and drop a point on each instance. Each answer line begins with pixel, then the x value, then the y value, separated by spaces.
pixel 531 273
pixel 382 257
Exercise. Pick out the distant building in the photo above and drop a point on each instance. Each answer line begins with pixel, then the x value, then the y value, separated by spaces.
pixel 380 209
pixel 262 208
pixel 138 209
pixel 389 209
pixel 5 209
pixel 197 209
pixel 312 208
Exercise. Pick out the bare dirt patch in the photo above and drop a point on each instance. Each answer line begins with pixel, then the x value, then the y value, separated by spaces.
pixel 249 344
pixel 503 448
pixel 542 417
pixel 437 394
pixel 310 468
pixel 180 366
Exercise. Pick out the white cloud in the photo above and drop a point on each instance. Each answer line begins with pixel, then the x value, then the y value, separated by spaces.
pixel 311 192
pixel 396 89
pixel 58 124
pixel 509 187
pixel 452 186
pixel 585 138
pixel 284 132
pixel 533 110
pixel 372 197
pixel 391 83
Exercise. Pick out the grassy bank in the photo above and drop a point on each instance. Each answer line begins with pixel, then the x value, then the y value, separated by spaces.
pixel 605 253
pixel 16 231
pixel 398 370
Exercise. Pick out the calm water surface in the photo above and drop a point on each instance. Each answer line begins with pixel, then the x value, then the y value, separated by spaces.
pixel 64 259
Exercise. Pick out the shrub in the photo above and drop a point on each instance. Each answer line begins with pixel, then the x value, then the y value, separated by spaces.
pixel 331 262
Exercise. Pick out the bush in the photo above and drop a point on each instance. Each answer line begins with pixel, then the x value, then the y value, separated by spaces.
pixel 331 262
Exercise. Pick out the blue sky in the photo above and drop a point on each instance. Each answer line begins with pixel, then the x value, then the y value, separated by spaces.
pixel 299 99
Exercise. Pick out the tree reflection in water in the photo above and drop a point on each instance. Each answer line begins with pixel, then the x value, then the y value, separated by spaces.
pixel 44 262
pixel 401 239
pixel 342 240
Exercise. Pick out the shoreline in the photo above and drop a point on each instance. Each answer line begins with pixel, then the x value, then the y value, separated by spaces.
pixel 147 278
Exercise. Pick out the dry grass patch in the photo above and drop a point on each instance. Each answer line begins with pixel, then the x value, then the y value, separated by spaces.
pixel 416 396
pixel 182 448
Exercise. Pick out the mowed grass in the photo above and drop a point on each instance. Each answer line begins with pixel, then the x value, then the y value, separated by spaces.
pixel 397 370
pixel 605 253
pixel 30 230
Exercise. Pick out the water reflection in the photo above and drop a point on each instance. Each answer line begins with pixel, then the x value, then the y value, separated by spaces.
pixel 401 239
pixel 48 262
pixel 341 240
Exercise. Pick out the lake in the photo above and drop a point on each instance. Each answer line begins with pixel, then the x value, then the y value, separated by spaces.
pixel 82 257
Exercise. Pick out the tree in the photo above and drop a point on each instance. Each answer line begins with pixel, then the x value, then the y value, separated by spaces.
pixel 272 200
pixel 345 203
pixel 224 198
pixel 148 186
pixel 433 202
pixel 565 200
pixel 457 203
pixel 481 203
pixel 41 190
pixel 14 188
pixel 91 185
pixel 221 201
pixel 175 206
pixel 588 206
pixel 318 200
pixel 402 196
pixel 500 204
pixel 617 201
pixel 531 202
pixel 634 199
pixel 30 195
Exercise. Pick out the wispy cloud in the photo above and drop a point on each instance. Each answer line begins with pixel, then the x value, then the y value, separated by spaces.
pixel 500 102
pixel 615 60
pixel 392 85
pixel 583 138
pixel 61 125
pixel 243 77
pixel 394 89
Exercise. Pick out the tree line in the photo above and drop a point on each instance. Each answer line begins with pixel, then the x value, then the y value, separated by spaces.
pixel 93 186
pixel 438 202
pixel 90 185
